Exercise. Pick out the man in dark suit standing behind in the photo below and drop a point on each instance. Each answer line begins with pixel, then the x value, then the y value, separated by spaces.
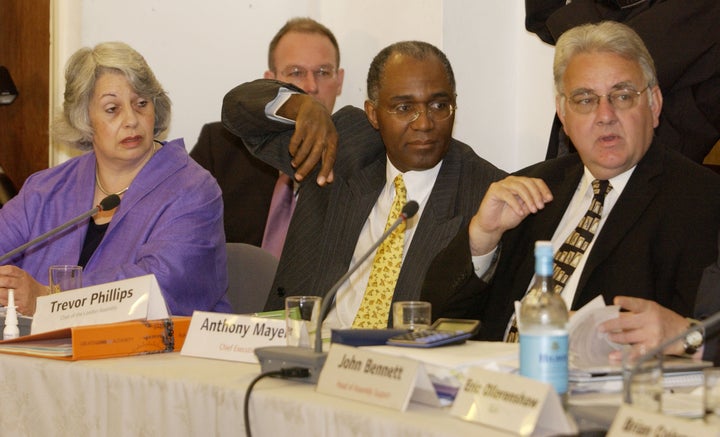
pixel 643 250
pixel 401 146
pixel 683 38
pixel 306 54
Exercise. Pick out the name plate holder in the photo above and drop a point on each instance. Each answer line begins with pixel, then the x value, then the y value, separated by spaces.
pixel 375 378
pixel 512 403
pixel 136 298
pixel 232 337
pixel 634 422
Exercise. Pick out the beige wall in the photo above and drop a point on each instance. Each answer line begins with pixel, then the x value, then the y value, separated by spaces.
pixel 201 49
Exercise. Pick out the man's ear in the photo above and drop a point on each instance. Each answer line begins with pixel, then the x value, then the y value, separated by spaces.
pixel 559 109
pixel 269 75
pixel 657 103
pixel 371 112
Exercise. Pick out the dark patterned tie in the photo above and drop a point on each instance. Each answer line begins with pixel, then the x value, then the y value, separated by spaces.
pixel 572 250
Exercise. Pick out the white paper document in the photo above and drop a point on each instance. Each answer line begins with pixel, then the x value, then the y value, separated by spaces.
pixel 588 346
pixel 447 366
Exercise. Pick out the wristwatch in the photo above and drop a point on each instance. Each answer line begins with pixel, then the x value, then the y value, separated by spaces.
pixel 694 340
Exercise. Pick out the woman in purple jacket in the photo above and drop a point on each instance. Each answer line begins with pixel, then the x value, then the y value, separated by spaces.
pixel 169 221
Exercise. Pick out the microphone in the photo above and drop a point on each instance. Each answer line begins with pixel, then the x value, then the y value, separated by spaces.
pixel 109 203
pixel 273 358
pixel 627 378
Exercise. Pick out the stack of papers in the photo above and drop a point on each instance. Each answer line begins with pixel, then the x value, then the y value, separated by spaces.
pixel 590 370
pixel 447 366
pixel 50 348
pixel 677 372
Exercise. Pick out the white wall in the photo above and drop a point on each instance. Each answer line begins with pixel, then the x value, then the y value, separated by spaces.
pixel 201 49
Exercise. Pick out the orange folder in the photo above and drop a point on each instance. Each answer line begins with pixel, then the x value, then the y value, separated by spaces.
pixel 103 341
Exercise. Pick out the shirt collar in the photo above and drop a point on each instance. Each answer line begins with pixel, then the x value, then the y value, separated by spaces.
pixel 419 183
pixel 618 182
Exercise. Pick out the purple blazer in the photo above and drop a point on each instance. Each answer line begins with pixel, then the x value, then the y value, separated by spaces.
pixel 169 223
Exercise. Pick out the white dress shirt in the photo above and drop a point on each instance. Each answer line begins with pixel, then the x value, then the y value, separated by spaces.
pixel 419 184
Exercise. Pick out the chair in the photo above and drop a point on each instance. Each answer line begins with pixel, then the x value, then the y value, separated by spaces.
pixel 251 271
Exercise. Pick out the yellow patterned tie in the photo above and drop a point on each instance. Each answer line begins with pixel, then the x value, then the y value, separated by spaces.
pixel 375 306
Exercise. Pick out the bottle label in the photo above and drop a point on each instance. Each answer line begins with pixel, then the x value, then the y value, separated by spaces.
pixel 545 358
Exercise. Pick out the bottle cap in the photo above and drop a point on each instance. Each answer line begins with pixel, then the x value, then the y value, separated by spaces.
pixel 543 248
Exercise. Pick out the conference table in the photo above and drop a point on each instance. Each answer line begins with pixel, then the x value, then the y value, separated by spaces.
pixel 170 394
pixel 174 395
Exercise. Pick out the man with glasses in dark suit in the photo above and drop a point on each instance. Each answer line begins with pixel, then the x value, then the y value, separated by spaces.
pixel 347 192
pixel 643 248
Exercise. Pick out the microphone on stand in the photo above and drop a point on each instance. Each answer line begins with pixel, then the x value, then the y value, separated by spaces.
pixel 274 358
pixel 107 204
pixel 627 379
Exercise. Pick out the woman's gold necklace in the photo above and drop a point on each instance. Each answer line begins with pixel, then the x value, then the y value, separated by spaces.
pixel 121 192
pixel 99 185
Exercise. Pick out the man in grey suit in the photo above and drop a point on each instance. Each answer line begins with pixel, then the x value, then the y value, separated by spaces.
pixel 657 227
pixel 346 191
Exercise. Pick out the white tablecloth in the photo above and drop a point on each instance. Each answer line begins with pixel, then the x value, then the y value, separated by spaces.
pixel 174 395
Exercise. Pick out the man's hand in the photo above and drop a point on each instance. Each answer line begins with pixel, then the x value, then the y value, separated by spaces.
pixel 315 137
pixel 644 325
pixel 27 289
pixel 505 205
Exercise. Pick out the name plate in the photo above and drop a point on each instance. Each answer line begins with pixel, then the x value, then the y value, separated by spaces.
pixel 512 403
pixel 121 301
pixel 633 422
pixel 232 337
pixel 368 377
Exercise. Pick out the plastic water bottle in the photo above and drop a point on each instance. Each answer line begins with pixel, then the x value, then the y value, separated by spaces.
pixel 543 327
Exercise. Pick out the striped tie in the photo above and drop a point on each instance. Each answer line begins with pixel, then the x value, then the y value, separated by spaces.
pixel 572 250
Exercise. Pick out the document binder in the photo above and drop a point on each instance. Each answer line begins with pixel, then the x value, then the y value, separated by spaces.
pixel 103 341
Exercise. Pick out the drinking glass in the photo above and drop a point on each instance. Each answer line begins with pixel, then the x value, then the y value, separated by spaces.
pixel 643 380
pixel 412 315
pixel 64 278
pixel 711 395
pixel 301 316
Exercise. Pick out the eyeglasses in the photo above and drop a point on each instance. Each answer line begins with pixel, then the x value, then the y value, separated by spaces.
pixel 299 73
pixel 409 112
pixel 587 102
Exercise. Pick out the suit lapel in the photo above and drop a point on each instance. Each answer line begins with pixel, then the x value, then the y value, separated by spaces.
pixel 349 208
pixel 562 183
pixel 634 200
pixel 437 226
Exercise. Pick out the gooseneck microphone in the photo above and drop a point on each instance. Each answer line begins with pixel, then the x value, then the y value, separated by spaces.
pixel 273 358
pixel 109 203
pixel 627 379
